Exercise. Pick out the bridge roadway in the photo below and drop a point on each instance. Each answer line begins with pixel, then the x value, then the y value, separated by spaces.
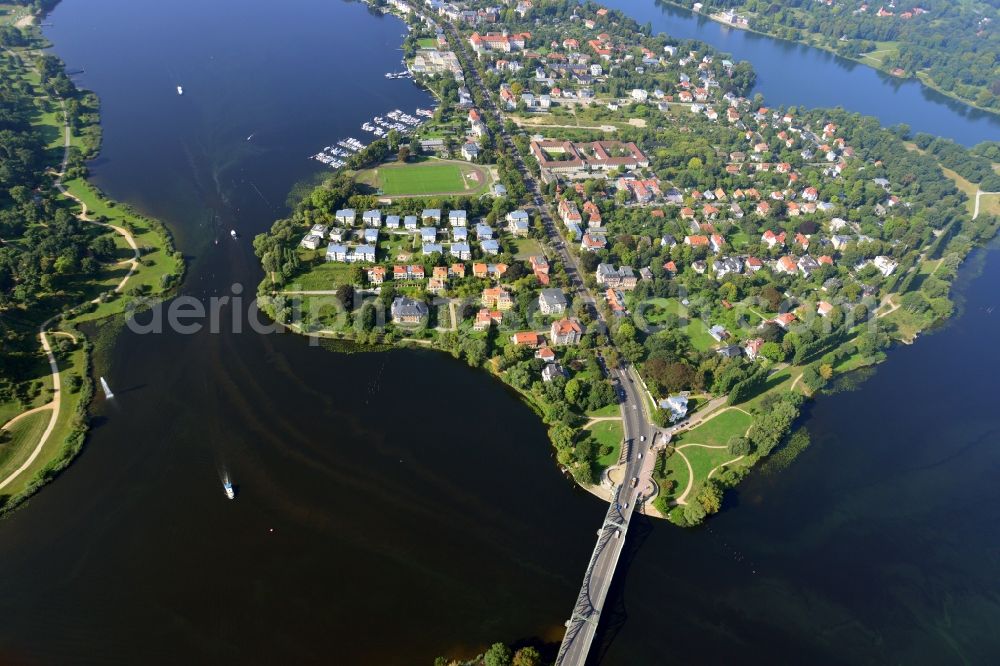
pixel 582 625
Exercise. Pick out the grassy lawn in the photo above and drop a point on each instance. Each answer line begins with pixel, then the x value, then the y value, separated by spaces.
pixel 608 434
pixel 73 364
pixel 907 324
pixel 878 55
pixel 655 311
pixel 427 43
pixel 989 204
pixel 610 410
pixel 703 460
pixel 17 443
pixel 527 247
pixel 427 177
pixel 676 471
pixel 717 430
pixel 322 276
pixel 11 13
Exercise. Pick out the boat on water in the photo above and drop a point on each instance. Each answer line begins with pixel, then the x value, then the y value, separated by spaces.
pixel 107 389
pixel 232 232
pixel 180 90
pixel 227 486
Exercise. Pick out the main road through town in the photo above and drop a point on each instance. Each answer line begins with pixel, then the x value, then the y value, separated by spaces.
pixel 635 485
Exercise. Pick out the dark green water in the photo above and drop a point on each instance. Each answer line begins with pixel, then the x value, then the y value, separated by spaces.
pixel 414 504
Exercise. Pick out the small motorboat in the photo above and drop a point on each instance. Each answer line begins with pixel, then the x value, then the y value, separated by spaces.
pixel 227 485
pixel 232 232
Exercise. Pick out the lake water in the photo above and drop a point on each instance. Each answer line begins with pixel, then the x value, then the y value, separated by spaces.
pixel 393 507
pixel 792 74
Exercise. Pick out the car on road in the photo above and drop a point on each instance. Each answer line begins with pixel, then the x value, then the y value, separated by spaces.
pixel 640 456
pixel 642 439
pixel 635 482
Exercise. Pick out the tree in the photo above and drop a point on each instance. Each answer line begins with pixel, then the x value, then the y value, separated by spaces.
pixel 710 497
pixel 772 352
pixel 404 154
pixel 527 656
pixel 738 446
pixel 694 513
pixel 498 655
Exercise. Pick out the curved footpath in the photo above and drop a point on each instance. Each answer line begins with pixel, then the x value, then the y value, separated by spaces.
pixel 56 404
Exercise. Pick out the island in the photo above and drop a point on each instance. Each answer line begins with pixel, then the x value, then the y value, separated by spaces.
pixel 72 261
pixel 951 47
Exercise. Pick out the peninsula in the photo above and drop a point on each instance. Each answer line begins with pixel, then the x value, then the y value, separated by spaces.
pixel 636 235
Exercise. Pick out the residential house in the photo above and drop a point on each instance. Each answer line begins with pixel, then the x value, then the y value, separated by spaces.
pixel 552 301
pixel 483 232
pixel 551 371
pixel 346 216
pixel 885 265
pixel 497 298
pixel 431 216
pixel 486 318
pixel 676 406
pixel 807 265
pixel 457 218
pixel 565 332
pixel 335 252
pixel 470 151
pixel 406 310
pixel 772 239
pixel 460 251
pixel 752 348
pixel 362 253
pixel 518 222
pixel 621 278
pixel 311 241
pixel 592 242
pixel 526 339
pixel 428 234
pixel 372 218
pixel 786 265
pixel 718 333
pixel 546 354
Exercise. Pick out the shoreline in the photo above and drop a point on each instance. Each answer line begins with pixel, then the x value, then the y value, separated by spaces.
pixel 924 81
pixel 158 240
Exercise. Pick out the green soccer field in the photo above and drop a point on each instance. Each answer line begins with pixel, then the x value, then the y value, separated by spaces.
pixel 422 179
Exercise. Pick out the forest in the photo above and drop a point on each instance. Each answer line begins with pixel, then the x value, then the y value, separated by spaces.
pixel 952 45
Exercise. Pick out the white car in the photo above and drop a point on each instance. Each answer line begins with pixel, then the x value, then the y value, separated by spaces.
pixel 642 439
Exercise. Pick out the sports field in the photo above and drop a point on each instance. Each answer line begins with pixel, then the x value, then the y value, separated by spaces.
pixel 421 179
pixel 427 177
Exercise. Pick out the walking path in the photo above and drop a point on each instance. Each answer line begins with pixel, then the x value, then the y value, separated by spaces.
pixel 34 410
pixel 56 404
pixel 597 419
pixel 728 462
